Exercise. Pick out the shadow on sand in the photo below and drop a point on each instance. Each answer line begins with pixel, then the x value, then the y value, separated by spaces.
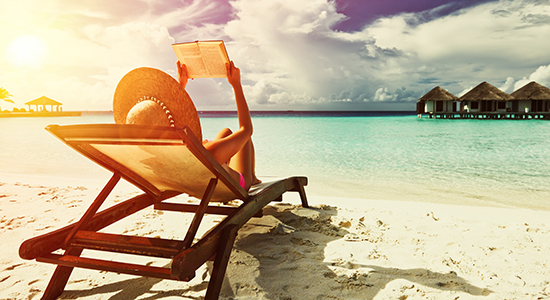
pixel 284 254
pixel 139 287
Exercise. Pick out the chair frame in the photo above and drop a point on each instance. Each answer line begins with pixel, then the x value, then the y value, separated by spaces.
pixel 186 256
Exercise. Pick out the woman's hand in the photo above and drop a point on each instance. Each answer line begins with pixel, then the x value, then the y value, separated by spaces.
pixel 233 74
pixel 182 74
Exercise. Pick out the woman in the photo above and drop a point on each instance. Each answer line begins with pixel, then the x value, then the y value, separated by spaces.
pixel 233 150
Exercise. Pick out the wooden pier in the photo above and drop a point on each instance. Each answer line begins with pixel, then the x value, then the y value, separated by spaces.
pixel 490 115
pixel 40 114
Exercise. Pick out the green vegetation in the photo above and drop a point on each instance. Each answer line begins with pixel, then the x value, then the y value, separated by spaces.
pixel 4 95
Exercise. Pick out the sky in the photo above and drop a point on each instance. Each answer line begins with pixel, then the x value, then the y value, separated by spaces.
pixel 293 54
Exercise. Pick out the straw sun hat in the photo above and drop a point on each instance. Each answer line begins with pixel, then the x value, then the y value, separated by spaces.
pixel 148 96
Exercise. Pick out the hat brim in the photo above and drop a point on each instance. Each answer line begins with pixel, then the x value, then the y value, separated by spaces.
pixel 149 82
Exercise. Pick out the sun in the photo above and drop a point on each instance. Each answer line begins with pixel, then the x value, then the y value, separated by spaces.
pixel 27 52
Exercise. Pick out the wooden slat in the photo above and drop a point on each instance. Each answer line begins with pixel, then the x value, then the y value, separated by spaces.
pixel 211 210
pixel 49 242
pixel 155 247
pixel 104 265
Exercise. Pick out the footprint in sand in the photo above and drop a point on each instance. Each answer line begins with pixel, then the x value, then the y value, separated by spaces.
pixel 10 224
pixel 10 268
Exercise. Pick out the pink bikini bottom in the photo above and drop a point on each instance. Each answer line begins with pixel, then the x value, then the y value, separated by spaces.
pixel 241 182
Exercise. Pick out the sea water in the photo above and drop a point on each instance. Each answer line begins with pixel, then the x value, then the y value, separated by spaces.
pixel 388 156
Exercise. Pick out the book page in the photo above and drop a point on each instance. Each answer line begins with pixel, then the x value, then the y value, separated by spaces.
pixel 203 59
pixel 214 60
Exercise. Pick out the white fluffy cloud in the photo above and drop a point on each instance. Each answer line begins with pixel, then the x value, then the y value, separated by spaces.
pixel 289 53
pixel 541 76
pixel 489 42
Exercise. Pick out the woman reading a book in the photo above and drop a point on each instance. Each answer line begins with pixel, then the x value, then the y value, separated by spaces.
pixel 233 150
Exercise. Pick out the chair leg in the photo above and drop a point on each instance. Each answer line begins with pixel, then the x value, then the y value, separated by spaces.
pixel 197 218
pixel 302 193
pixel 90 212
pixel 60 278
pixel 220 263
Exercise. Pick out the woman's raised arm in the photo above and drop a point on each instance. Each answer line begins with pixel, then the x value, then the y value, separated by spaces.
pixel 182 74
pixel 234 78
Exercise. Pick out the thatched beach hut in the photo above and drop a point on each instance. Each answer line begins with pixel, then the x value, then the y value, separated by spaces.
pixel 437 100
pixel 485 98
pixel 41 103
pixel 533 97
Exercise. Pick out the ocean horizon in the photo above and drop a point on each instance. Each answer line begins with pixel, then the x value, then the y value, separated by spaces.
pixel 383 155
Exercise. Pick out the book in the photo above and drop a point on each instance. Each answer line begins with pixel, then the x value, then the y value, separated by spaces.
pixel 204 59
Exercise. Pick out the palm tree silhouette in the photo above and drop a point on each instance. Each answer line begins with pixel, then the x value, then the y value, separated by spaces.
pixel 4 95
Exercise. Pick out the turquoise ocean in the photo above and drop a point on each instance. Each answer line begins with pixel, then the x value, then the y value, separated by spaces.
pixel 368 155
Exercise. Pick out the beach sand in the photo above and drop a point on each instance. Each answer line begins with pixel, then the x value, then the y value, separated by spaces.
pixel 338 249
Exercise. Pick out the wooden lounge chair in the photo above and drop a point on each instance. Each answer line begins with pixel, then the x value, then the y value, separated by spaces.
pixel 163 162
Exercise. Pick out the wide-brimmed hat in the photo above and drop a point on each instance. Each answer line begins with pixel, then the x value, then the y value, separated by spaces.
pixel 149 84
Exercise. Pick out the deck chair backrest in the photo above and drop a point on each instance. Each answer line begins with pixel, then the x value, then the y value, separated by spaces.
pixel 155 159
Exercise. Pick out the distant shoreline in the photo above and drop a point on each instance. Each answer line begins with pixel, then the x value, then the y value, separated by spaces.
pixel 40 114
pixel 52 114
pixel 228 113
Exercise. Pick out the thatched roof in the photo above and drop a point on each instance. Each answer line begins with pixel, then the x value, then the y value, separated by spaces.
pixel 485 91
pixel 437 93
pixel 43 101
pixel 532 91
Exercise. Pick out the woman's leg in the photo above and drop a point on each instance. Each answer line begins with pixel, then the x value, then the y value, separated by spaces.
pixel 223 133
pixel 243 161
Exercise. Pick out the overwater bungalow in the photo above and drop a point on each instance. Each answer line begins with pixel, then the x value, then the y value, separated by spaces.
pixel 438 100
pixel 532 97
pixel 485 98
pixel 41 103
pixel 488 102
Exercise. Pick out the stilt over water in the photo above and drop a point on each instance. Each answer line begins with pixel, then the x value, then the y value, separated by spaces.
pixel 492 116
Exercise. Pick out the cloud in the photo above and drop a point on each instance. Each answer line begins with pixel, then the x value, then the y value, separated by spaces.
pixel 292 56
pixel 541 76
pixel 81 94
pixel 290 53
pixel 383 95
pixel 131 44
pixel 508 86
pixel 488 42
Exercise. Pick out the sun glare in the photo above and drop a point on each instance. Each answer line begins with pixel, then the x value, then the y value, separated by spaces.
pixel 27 52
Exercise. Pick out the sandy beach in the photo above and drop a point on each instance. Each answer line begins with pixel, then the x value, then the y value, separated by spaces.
pixel 338 249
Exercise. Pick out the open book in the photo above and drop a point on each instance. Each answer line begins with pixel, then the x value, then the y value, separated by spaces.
pixel 203 58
